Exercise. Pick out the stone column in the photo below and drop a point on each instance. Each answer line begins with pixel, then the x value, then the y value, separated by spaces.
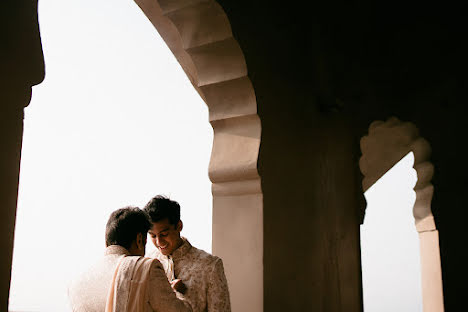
pixel 21 67
pixel 11 132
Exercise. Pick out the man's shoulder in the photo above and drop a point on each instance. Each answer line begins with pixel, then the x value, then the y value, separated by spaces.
pixel 203 257
pixel 152 265
pixel 136 262
pixel 154 254
pixel 153 262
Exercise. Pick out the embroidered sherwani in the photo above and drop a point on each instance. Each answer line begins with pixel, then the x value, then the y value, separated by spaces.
pixel 90 292
pixel 202 273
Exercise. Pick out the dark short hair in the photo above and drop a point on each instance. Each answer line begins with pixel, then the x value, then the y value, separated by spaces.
pixel 124 224
pixel 161 207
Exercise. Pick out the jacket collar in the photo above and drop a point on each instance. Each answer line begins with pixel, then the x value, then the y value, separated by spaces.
pixel 182 250
pixel 116 250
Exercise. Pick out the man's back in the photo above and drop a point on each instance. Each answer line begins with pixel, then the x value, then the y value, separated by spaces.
pixel 89 292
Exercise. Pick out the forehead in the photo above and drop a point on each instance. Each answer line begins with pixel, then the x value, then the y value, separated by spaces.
pixel 160 226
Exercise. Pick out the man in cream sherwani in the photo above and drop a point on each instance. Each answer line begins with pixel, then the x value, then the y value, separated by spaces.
pixel 186 265
pixel 123 280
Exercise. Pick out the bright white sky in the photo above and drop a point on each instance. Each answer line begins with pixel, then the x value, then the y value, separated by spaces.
pixel 391 270
pixel 115 122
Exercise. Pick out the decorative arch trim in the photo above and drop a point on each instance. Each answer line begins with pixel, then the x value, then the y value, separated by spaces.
pixel 384 146
pixel 199 35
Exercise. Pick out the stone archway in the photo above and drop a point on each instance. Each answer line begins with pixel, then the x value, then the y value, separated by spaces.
pixel 199 34
pixel 386 144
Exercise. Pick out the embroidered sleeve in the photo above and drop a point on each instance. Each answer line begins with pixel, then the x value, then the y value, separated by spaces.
pixel 218 292
pixel 161 295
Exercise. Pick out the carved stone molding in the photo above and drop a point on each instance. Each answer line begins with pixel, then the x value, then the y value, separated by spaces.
pixel 385 145
pixel 199 35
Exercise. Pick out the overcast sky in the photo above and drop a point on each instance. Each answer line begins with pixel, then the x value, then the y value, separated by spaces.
pixel 391 270
pixel 114 123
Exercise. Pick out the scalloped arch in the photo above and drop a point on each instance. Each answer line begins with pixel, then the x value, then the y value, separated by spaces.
pixel 385 145
pixel 199 35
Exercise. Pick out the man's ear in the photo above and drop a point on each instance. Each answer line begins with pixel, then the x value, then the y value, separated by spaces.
pixel 180 226
pixel 140 241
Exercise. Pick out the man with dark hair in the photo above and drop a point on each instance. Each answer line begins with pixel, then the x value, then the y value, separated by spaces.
pixel 124 280
pixel 190 270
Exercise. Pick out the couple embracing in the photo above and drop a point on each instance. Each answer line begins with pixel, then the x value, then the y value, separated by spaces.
pixel 175 277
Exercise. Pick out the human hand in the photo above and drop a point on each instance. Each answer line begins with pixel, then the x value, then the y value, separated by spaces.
pixel 179 286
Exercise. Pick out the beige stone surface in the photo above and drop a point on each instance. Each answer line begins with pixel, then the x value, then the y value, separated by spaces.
pixel 238 240
pixel 169 6
pixel 235 149
pixel 422 209
pixel 215 26
pixel 218 61
pixel 232 98
pixel 433 300
pixel 243 187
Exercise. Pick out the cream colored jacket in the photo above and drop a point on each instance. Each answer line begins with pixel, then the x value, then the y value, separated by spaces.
pixel 89 292
pixel 202 273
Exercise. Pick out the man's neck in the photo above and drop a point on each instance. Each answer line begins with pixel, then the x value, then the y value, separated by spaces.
pixel 179 243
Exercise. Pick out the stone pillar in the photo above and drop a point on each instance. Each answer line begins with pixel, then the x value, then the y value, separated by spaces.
pixel 311 215
pixel 21 67
pixel 11 132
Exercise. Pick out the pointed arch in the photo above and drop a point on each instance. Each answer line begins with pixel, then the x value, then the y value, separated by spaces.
pixel 386 144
